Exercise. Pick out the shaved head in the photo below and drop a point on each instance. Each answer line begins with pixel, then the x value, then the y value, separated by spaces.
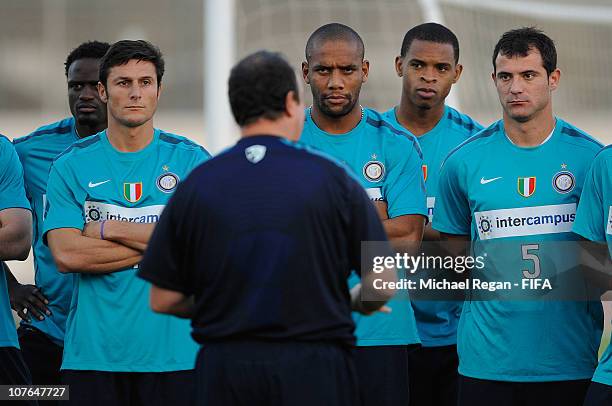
pixel 333 32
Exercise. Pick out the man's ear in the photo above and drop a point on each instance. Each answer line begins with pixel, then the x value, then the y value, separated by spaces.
pixel 365 68
pixel 102 92
pixel 399 64
pixel 305 71
pixel 292 106
pixel 553 79
pixel 458 71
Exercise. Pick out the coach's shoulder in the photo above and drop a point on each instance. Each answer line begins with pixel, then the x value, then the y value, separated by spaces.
pixel 181 142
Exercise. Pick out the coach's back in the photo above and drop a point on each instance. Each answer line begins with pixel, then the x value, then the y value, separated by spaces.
pixel 277 230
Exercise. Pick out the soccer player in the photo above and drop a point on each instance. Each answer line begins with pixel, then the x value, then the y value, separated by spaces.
pixel 15 240
pixel 105 193
pixel 429 65
pixel 387 162
pixel 594 222
pixel 267 255
pixel 501 188
pixel 44 306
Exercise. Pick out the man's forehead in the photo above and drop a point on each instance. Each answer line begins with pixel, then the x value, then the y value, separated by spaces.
pixel 532 61
pixel 133 68
pixel 421 49
pixel 336 51
pixel 84 69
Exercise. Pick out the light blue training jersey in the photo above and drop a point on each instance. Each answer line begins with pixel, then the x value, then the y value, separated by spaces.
pixel 12 195
pixel 36 152
pixel 110 326
pixel 594 222
pixel 437 320
pixel 516 204
pixel 387 162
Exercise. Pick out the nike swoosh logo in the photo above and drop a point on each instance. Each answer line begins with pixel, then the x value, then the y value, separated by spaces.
pixel 484 181
pixel 91 184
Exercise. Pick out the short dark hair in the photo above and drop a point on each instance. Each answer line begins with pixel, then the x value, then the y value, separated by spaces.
pixel 432 32
pixel 520 41
pixel 121 52
pixel 258 86
pixel 89 49
pixel 333 32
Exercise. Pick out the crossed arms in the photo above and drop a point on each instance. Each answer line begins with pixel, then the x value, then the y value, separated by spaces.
pixel 87 252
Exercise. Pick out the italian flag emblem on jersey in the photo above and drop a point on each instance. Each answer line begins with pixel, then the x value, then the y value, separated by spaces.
pixel 132 191
pixel 526 186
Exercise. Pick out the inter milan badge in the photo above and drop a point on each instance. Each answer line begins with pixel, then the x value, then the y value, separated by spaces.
pixel 166 182
pixel 132 191
pixel 564 182
pixel 526 186
pixel 255 153
pixel 484 225
pixel 374 171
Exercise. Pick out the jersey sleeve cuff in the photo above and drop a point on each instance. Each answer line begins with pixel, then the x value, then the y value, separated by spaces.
pixel 443 228
pixel 409 211
pixel 585 233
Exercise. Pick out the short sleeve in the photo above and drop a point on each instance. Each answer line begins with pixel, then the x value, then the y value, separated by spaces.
pixel 404 188
pixel 64 201
pixel 453 214
pixel 12 191
pixel 590 220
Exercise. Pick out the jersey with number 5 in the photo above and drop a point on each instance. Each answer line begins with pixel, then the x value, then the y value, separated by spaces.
pixel 518 205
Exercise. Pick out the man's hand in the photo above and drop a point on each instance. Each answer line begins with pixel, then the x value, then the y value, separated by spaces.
pixel 92 230
pixel 358 306
pixel 28 300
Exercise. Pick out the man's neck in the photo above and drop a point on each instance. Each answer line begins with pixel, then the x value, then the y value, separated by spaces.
pixel 279 128
pixel 337 125
pixel 130 139
pixel 530 133
pixel 84 131
pixel 418 120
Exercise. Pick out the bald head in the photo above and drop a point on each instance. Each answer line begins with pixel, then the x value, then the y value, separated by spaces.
pixel 333 32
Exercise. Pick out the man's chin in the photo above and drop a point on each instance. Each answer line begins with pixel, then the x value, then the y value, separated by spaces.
pixel 88 119
pixel 133 123
pixel 337 111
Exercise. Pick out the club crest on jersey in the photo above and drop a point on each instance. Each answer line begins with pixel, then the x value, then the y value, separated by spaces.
pixel 564 182
pixel 166 182
pixel 484 225
pixel 255 153
pixel 526 186
pixel 424 168
pixel 132 191
pixel 374 171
